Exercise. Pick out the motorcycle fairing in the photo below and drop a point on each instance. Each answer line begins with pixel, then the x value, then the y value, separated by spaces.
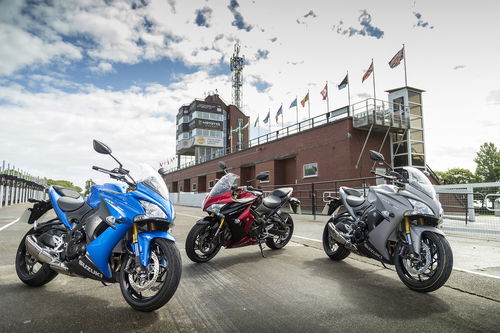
pixel 54 196
pixel 144 239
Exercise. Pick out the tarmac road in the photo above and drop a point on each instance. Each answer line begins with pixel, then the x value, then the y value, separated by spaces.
pixel 296 289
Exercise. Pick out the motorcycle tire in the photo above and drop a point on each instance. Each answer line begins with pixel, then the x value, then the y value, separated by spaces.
pixel 440 248
pixel 280 243
pixel 334 250
pixel 169 253
pixel 25 264
pixel 194 234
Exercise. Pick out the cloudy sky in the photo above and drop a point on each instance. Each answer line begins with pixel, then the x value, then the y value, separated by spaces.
pixel 71 71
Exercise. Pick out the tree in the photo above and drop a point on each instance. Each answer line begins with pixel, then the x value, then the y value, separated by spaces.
pixel 65 183
pixel 88 184
pixel 488 163
pixel 456 176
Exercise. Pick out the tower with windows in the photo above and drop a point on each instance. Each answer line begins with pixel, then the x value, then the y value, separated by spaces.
pixel 408 147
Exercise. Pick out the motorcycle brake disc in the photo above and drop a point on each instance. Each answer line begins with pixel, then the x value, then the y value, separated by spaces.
pixel 135 281
pixel 425 254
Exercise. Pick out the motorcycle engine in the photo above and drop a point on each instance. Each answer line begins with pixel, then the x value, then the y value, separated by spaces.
pixel 76 245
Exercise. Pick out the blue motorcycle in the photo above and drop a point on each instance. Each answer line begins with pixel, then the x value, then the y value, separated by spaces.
pixel 120 233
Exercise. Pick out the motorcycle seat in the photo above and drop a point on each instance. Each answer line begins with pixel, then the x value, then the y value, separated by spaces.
pixel 66 192
pixel 281 192
pixel 354 201
pixel 272 201
pixel 352 191
pixel 69 204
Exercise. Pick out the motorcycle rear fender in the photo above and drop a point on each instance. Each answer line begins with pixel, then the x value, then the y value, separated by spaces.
pixel 416 234
pixel 144 239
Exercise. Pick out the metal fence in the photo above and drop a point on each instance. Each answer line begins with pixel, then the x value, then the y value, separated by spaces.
pixel 17 186
pixel 470 210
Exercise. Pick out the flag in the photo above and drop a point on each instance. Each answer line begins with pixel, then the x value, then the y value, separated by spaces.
pixel 245 125
pixel 396 60
pixel 368 72
pixel 294 103
pixel 324 92
pixel 344 82
pixel 256 121
pixel 280 112
pixel 267 117
pixel 304 100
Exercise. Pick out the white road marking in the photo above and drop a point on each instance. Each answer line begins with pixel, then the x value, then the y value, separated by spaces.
pixel 454 268
pixel 8 225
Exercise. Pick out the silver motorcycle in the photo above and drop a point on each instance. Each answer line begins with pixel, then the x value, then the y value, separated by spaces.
pixel 397 224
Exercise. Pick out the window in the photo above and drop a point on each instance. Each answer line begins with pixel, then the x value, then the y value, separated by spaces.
pixel 211 184
pixel 417 135
pixel 380 180
pixel 310 170
pixel 193 187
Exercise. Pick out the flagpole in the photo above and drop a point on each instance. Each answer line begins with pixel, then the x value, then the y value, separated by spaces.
pixel 309 104
pixel 269 120
pixel 297 107
pixel 258 127
pixel 327 98
pixel 404 59
pixel 282 124
pixel 373 77
pixel 348 94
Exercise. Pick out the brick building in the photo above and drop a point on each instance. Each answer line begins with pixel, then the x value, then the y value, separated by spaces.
pixel 327 147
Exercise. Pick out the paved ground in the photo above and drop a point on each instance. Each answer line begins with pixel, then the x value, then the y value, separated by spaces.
pixel 294 289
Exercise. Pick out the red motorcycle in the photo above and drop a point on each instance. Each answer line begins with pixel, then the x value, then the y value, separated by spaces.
pixel 240 216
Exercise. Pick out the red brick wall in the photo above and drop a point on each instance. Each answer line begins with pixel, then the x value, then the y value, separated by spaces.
pixel 335 147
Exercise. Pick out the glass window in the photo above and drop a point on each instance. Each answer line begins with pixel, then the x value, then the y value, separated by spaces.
pixel 193 187
pixel 399 137
pixel 416 122
pixel 400 160
pixel 417 160
pixel 400 148
pixel 398 104
pixel 417 147
pixel 417 135
pixel 310 170
pixel 414 97
pixel 416 109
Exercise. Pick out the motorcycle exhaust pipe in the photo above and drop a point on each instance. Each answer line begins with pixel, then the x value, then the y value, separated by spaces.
pixel 332 230
pixel 43 255
pixel 37 251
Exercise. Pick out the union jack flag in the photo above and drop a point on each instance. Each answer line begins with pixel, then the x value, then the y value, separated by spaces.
pixel 368 72
pixel 396 60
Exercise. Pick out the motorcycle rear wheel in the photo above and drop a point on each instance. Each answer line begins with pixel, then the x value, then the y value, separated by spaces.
pixel 279 242
pixel 196 244
pixel 438 271
pixel 332 248
pixel 29 269
pixel 165 254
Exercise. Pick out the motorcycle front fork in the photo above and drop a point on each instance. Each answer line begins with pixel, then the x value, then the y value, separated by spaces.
pixel 135 243
pixel 408 235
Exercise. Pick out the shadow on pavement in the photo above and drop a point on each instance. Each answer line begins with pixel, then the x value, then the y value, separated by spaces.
pixel 371 292
pixel 39 309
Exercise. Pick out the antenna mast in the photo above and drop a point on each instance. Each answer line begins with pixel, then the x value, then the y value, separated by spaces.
pixel 237 63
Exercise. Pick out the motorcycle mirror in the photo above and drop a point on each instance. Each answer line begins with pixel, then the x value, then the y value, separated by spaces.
pixel 376 156
pixel 263 176
pixel 101 148
pixel 162 171
pixel 222 165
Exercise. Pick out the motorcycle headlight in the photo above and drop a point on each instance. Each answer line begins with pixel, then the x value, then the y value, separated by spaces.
pixel 151 211
pixel 419 208
pixel 215 208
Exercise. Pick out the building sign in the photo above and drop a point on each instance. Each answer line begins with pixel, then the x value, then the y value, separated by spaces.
pixel 208 124
pixel 208 141
pixel 183 144
pixel 201 106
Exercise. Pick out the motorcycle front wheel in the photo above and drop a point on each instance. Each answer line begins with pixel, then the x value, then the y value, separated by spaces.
pixel 200 244
pixel 431 269
pixel 149 288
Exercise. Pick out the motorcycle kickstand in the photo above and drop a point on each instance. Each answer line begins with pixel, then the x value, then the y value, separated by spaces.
pixel 261 250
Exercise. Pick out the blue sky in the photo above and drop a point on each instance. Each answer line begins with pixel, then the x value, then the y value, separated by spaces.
pixel 71 71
